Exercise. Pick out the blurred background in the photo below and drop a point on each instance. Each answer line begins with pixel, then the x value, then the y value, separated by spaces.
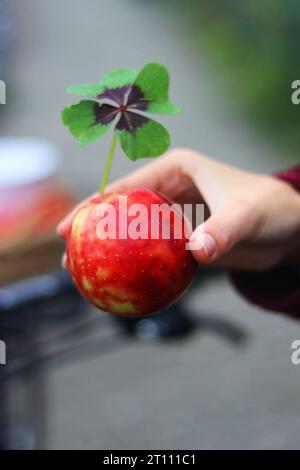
pixel 213 371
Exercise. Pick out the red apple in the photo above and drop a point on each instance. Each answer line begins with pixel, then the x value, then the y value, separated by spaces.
pixel 130 277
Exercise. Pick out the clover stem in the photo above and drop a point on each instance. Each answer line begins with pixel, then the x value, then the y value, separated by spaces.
pixel 108 163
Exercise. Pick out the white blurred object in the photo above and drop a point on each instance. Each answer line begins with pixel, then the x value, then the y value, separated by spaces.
pixel 28 176
pixel 26 161
pixel 32 200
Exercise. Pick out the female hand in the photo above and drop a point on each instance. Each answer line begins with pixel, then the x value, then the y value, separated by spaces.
pixel 253 221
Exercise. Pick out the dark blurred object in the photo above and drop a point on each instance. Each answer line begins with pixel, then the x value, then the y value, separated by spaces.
pixel 30 292
pixel 25 307
pixel 44 322
pixel 172 323
pixel 28 306
pixel 17 436
pixel 177 323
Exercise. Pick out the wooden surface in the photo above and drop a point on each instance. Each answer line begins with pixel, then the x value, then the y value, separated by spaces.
pixel 30 259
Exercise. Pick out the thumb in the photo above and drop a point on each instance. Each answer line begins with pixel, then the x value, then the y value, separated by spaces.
pixel 226 227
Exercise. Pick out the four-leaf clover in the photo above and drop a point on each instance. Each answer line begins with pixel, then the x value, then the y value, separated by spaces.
pixel 120 100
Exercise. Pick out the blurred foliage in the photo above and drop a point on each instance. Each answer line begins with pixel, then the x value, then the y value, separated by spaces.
pixel 255 47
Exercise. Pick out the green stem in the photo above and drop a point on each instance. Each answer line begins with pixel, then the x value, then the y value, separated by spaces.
pixel 108 163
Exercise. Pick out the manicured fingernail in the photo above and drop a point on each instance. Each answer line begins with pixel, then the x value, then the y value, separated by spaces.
pixel 209 245
pixel 205 241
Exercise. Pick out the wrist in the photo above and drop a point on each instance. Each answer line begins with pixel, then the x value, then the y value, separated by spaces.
pixel 294 251
pixel 292 178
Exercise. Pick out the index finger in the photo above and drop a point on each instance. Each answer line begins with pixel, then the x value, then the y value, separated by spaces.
pixel 152 176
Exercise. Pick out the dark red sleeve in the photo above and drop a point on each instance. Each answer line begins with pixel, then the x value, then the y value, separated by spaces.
pixel 277 289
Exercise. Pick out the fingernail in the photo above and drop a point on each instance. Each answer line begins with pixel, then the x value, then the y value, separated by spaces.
pixel 57 230
pixel 64 261
pixel 205 241
pixel 59 227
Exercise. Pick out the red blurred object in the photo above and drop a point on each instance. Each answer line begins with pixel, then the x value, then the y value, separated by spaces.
pixel 34 217
pixel 32 202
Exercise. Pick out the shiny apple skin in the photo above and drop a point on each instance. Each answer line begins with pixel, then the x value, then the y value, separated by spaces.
pixel 127 277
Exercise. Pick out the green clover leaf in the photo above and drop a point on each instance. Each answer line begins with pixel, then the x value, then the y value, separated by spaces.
pixel 85 89
pixel 118 78
pixel 81 121
pixel 114 79
pixel 149 140
pixel 163 107
pixel 122 99
pixel 153 80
